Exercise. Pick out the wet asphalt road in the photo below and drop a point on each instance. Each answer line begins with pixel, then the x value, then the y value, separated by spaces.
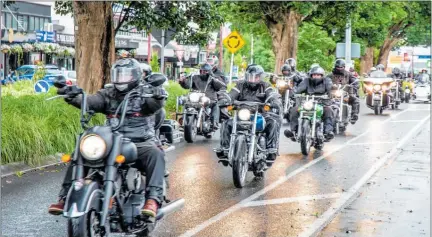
pixel 295 192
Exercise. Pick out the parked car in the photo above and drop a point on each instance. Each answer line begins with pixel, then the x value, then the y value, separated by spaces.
pixel 26 72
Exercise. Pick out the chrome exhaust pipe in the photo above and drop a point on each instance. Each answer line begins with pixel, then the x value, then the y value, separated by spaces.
pixel 170 208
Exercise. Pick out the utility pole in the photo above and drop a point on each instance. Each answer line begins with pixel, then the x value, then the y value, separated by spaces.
pixel 348 44
pixel 163 52
pixel 252 43
pixel 221 48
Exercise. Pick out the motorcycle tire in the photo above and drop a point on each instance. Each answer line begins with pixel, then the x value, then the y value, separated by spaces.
pixel 240 163
pixel 305 143
pixel 190 130
pixel 407 99
pixel 81 226
pixel 376 110
pixel 208 135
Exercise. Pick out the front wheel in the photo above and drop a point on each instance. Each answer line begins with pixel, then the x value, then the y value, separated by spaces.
pixel 240 164
pixel 86 225
pixel 305 138
pixel 190 129
pixel 376 109
pixel 407 99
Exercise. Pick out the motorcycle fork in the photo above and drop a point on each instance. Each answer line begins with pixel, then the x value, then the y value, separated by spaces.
pixel 286 101
pixel 232 138
pixel 314 122
pixel 253 138
pixel 199 122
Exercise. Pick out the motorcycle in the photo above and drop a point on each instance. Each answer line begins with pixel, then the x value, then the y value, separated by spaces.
pixel 247 149
pixel 285 87
pixel 395 97
pixel 341 108
pixel 377 87
pixel 107 192
pixel 310 123
pixel 195 116
pixel 406 95
pixel 421 90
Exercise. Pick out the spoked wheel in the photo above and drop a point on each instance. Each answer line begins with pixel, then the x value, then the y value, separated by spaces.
pixel 240 163
pixel 190 130
pixel 87 226
pixel 305 138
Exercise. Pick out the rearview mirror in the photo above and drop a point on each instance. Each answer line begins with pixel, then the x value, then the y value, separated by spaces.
pixel 59 81
pixel 156 79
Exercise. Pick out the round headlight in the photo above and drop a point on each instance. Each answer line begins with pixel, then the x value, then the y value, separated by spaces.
pixel 244 114
pixel 281 83
pixel 377 87
pixel 92 147
pixel 194 97
pixel 205 100
pixel 308 105
pixel 338 93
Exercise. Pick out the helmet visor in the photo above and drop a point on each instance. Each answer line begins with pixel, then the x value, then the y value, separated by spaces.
pixel 254 78
pixel 124 75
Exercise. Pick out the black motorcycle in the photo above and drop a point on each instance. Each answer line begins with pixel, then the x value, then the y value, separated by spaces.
pixel 285 87
pixel 108 193
pixel 247 149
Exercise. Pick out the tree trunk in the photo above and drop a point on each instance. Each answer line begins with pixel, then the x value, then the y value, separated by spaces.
pixel 94 44
pixel 284 38
pixel 385 49
pixel 366 61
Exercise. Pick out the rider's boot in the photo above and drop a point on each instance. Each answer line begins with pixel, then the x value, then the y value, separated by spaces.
pixel 57 208
pixel 271 156
pixel 328 131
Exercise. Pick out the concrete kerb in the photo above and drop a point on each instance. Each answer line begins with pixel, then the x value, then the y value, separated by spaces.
pixel 21 168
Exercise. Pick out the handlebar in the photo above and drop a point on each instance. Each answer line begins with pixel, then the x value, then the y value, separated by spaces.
pixel 312 96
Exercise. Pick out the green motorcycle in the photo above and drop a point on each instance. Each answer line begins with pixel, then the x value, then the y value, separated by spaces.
pixel 310 130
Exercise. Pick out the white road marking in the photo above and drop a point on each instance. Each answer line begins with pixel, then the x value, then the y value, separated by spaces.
pixel 370 143
pixel 292 199
pixel 418 109
pixel 281 180
pixel 406 121
pixel 348 197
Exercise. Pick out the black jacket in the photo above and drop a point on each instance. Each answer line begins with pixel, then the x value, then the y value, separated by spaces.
pixel 139 124
pixel 343 79
pixel 308 87
pixel 210 87
pixel 219 73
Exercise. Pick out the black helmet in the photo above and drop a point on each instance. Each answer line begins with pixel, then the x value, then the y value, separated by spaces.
pixel 317 70
pixel 292 62
pixel 254 74
pixel 205 71
pixel 396 71
pixel 339 66
pixel 380 67
pixel 146 69
pixel 285 67
pixel 126 74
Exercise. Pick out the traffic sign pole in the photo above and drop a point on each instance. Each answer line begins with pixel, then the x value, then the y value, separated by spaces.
pixel 231 67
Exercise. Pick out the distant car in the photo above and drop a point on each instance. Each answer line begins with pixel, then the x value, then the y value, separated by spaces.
pixel 26 72
pixel 421 90
pixel 71 77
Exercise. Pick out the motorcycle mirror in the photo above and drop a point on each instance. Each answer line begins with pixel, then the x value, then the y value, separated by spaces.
pixel 156 79
pixel 59 81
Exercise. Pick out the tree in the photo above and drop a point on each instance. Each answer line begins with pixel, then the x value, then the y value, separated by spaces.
pixel 192 21
pixel 282 21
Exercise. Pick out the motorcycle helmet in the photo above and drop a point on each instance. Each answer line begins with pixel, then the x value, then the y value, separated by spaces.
pixel 205 71
pixel 285 69
pixel 146 70
pixel 126 74
pixel 396 71
pixel 254 75
pixel 339 66
pixel 373 69
pixel 213 61
pixel 380 67
pixel 292 63
pixel 317 74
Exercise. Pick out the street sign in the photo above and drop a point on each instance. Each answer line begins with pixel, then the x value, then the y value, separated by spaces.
pixel 180 64
pixel 424 56
pixel 340 50
pixel 41 86
pixel 44 36
pixel 233 42
pixel 235 71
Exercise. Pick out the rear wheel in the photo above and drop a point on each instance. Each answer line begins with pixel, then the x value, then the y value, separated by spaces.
pixel 240 163
pixel 305 138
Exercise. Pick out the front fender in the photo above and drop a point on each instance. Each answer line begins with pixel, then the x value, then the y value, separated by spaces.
pixel 79 202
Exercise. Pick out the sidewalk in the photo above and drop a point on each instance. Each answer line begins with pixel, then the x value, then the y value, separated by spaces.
pixel 396 201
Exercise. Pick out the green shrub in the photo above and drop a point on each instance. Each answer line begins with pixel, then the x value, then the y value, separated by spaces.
pixel 174 89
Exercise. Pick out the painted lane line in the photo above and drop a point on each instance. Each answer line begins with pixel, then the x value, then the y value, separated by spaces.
pixel 349 196
pixel 193 231
pixel 292 199
pixel 406 121
pixel 370 143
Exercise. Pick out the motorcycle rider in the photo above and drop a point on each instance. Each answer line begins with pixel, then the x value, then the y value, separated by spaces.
pixel 146 70
pixel 139 124
pixel 250 89
pixel 214 61
pixel 287 71
pixel 207 83
pixel 315 84
pixel 380 67
pixel 397 74
pixel 340 76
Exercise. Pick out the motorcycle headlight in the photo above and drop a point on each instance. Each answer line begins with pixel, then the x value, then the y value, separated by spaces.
pixel 377 87
pixel 244 114
pixel 194 97
pixel 407 90
pixel 281 83
pixel 92 147
pixel 308 105
pixel 205 100
pixel 338 93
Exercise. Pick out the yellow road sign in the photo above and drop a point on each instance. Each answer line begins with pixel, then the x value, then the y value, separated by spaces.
pixel 234 42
